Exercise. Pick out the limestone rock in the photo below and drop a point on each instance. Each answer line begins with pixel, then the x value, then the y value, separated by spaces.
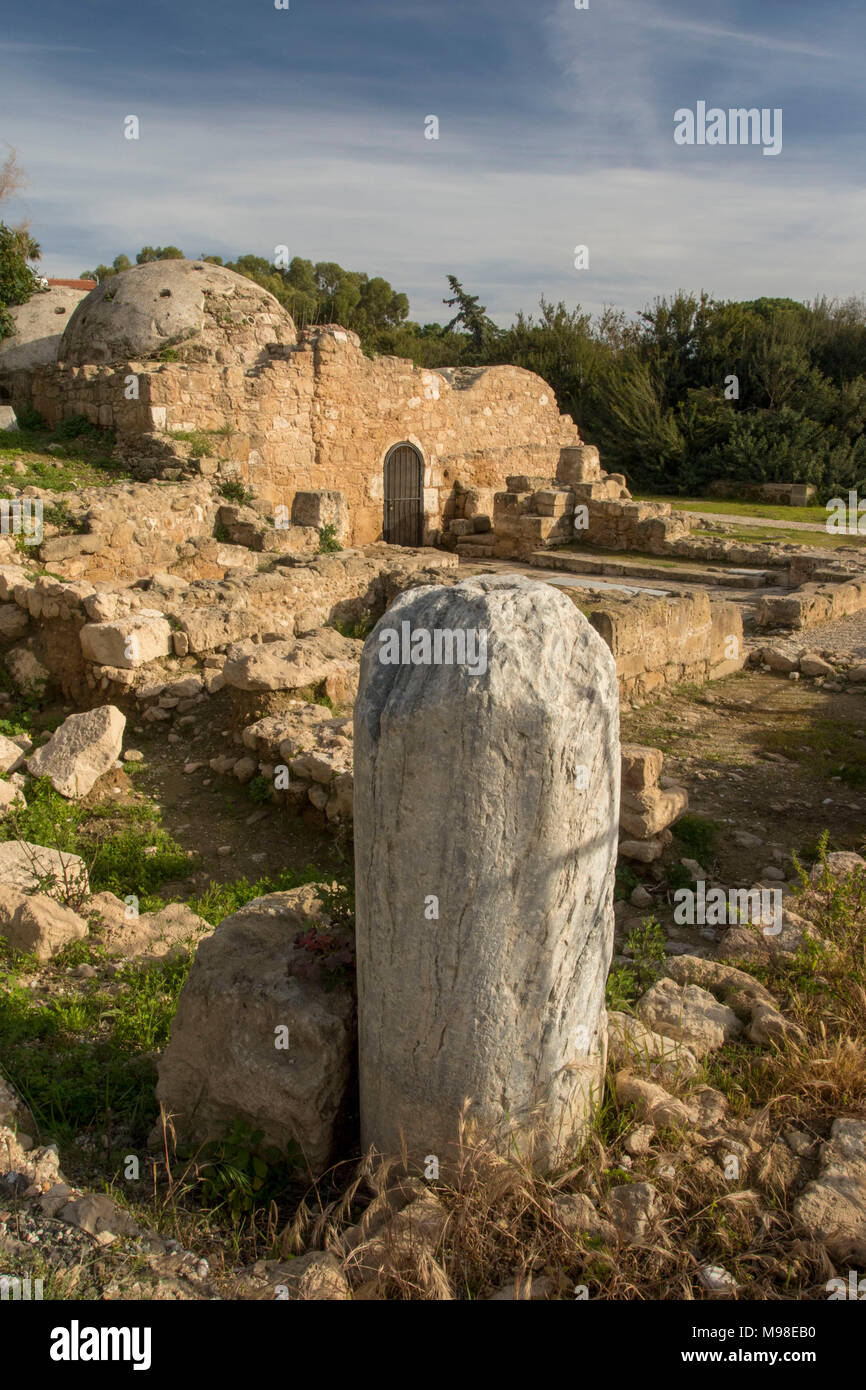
pixel 11 797
pixel 501 997
pixel 833 1205
pixel 651 1101
pixel 36 868
pixel 13 753
pixel 199 309
pixel 632 1043
pixel 222 1062
pixel 312 1277
pixel 155 934
pixel 689 1014
pixel 38 923
pixel 323 658
pixel 28 673
pixel 576 1214
pixel 128 643
pixel 39 328
pixel 634 1208
pixel 96 1213
pixel 84 748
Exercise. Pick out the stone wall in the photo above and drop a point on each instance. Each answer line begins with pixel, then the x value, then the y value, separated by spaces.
pixel 318 414
pixel 663 642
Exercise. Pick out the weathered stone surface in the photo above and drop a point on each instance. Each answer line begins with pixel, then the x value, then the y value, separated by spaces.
pixel 156 934
pixel 651 1101
pixel 632 1043
pixel 39 327
pixel 13 753
pixel 689 1014
pixel 31 868
pixel 501 997
pixel 84 748
pixel 302 664
pixel 37 924
pixel 11 798
pixel 129 643
pixel 197 308
pixel 28 673
pixel 833 1206
pixel 222 1062
pixel 634 1208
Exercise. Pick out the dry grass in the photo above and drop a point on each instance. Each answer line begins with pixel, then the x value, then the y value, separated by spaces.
pixel 496 1220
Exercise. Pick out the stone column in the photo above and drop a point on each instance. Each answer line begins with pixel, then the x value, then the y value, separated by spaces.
pixel 486 822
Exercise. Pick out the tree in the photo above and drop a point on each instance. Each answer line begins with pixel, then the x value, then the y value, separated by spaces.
pixel 18 281
pixel 159 253
pixel 471 316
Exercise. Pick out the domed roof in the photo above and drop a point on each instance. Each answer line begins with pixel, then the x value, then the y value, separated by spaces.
pixel 203 312
pixel 39 326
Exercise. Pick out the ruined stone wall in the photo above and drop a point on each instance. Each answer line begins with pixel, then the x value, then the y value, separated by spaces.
pixel 320 414
pixel 663 642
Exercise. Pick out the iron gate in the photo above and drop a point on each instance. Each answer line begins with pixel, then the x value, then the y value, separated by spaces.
pixel 403 484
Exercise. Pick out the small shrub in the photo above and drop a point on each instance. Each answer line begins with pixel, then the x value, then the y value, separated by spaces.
pixel 328 542
pixel 234 491
pixel 241 1172
pixel 75 426
pixel 698 835
pixel 646 945
pixel 30 419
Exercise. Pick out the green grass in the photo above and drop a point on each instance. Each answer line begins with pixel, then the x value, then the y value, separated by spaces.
pixel 758 535
pixel 138 858
pixel 698 836
pixel 824 748
pixel 222 899
pixel 85 460
pixel 83 1060
pixel 200 441
pixel 724 507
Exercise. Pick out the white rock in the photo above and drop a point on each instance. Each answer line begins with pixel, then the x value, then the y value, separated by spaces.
pixel 84 748
pixel 500 997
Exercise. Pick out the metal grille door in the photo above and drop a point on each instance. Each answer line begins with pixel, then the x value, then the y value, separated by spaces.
pixel 403 479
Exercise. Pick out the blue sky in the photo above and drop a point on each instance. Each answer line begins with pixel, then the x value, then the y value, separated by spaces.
pixel 305 127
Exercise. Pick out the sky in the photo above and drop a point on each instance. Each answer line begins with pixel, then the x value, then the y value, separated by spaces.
pixel 305 127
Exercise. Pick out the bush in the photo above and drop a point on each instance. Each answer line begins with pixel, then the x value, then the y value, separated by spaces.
pixel 328 542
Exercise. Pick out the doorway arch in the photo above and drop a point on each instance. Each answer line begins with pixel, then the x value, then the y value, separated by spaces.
pixel 403 493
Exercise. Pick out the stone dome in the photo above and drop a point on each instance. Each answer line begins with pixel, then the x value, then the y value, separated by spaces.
pixel 202 312
pixel 39 327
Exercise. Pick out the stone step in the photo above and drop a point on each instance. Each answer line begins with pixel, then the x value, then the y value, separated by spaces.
pixel 709 575
pixel 468 546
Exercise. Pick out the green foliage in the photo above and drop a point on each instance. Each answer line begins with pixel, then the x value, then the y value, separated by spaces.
pixel 30 419
pixel 200 443
pixel 241 1172
pixel 137 858
pixel 359 630
pixel 259 789
pixel 646 945
pixel 221 899
pixel 85 1060
pixel 17 281
pixel 471 316
pixel 234 491
pixel 328 542
pixel 698 835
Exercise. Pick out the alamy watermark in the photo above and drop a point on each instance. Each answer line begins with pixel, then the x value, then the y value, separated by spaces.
pixel 717 908
pixel 737 126
pixel 444 646
pixel 22 517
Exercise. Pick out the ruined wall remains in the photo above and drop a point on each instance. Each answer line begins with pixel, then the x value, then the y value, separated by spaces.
pixel 213 356
pixel 663 642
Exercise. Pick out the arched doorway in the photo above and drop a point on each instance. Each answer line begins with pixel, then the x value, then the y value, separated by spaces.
pixel 404 478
